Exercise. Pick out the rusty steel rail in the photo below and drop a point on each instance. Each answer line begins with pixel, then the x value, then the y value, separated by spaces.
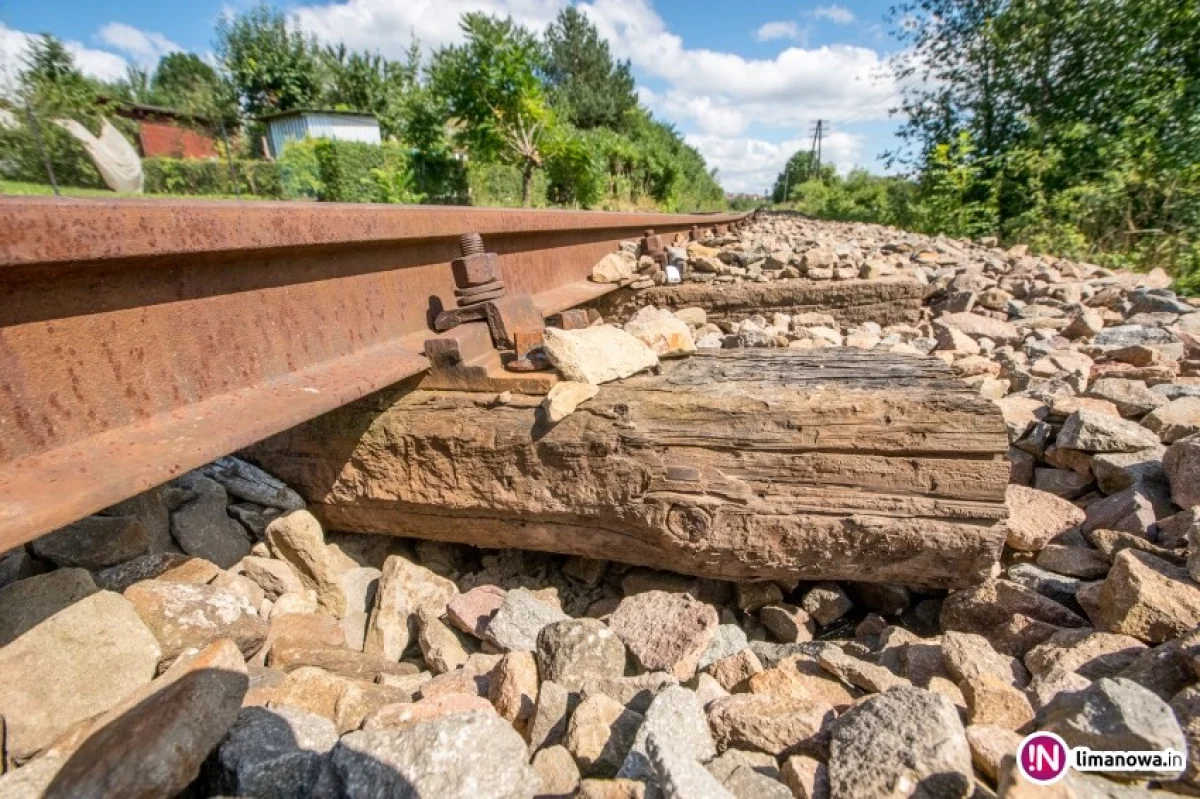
pixel 141 339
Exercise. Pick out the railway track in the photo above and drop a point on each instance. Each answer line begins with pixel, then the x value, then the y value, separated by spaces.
pixel 141 339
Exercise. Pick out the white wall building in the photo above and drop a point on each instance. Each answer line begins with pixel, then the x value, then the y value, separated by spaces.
pixel 295 125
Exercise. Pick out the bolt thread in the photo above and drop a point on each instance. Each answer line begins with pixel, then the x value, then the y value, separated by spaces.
pixel 470 244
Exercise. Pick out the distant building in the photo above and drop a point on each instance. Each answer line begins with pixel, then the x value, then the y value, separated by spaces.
pixel 301 124
pixel 165 132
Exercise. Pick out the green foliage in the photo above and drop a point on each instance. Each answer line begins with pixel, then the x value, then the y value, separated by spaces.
pixel 347 172
pixel 801 167
pixel 21 159
pixel 273 65
pixel 489 81
pixel 300 172
pixel 188 176
pixel 574 174
pixel 1079 119
pixel 50 87
pixel 500 185
pixel 54 87
pixel 587 86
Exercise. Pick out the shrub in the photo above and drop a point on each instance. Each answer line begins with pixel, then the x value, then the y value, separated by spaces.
pixel 211 177
pixel 500 185
pixel 21 159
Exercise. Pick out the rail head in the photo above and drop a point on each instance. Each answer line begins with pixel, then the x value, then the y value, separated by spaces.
pixel 46 230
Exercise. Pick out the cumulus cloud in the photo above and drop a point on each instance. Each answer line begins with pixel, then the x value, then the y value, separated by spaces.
pixel 778 30
pixel 145 47
pixel 724 93
pixel 838 15
pixel 751 165
pixel 14 45
pixel 389 26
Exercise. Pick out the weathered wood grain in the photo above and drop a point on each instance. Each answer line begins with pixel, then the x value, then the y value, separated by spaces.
pixel 739 464
pixel 889 301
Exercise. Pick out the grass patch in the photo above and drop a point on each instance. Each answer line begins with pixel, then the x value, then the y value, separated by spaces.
pixel 22 189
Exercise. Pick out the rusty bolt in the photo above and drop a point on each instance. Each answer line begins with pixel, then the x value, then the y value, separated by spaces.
pixel 475 270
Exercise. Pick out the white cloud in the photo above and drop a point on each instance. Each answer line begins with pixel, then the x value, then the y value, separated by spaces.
pixel 751 165
pixel 724 93
pixel 390 25
pixel 145 47
pixel 838 15
pixel 778 30
pixel 14 45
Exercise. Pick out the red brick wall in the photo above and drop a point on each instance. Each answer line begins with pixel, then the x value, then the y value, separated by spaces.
pixel 160 139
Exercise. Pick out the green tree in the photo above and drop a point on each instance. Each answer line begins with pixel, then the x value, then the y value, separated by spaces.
pixel 490 85
pixel 273 66
pixel 801 167
pixel 587 86
pixel 1080 117
pixel 52 85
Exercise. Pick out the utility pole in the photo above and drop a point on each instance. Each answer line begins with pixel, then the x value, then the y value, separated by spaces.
pixel 814 152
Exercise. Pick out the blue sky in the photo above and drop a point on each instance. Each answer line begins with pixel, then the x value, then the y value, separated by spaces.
pixel 743 81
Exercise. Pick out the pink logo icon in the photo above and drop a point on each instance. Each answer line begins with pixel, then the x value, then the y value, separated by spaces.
pixel 1042 758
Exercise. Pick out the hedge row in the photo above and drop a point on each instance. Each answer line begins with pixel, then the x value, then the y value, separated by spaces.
pixel 500 185
pixel 187 176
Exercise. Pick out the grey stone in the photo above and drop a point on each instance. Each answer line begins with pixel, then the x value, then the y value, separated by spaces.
pixel 770 654
pixel 1177 419
pixel 94 542
pixel 676 719
pixel 1182 465
pixel 1060 588
pixel 152 508
pixel 146 567
pixel 168 728
pixel 1082 562
pixel 1116 471
pixel 1129 335
pixel 1092 431
pixel 1167 669
pixel 254 518
pixel 1131 397
pixel 548 726
pixel 204 528
pixel 275 754
pixel 681 777
pixel 729 640
pixel 26 603
pixel 473 755
pixel 746 783
pixel 16 565
pixel 576 649
pixel 826 602
pixel 907 741
pixel 519 620
pixel 246 481
pixel 1113 714
pixel 1130 510
pixel 78 662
